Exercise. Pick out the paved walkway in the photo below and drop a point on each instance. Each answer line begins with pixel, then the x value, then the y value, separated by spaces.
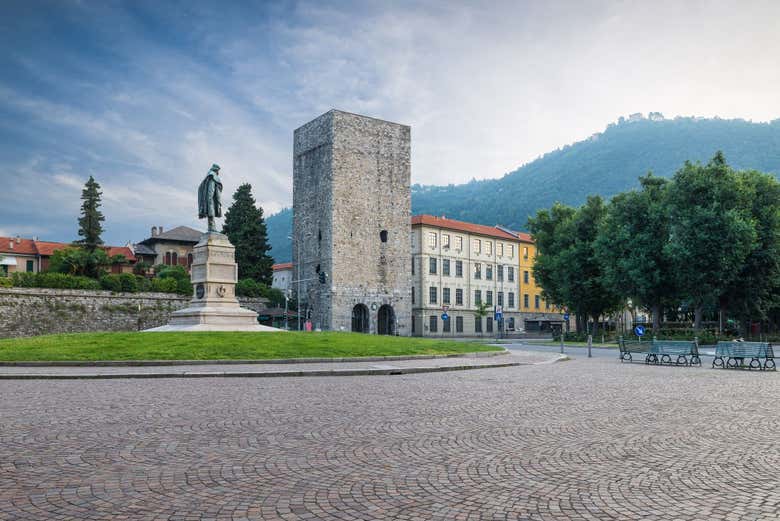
pixel 418 365
pixel 579 440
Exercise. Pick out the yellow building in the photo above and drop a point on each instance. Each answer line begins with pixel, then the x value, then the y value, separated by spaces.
pixel 537 314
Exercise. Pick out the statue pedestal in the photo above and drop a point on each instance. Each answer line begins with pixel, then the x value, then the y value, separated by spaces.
pixel 214 306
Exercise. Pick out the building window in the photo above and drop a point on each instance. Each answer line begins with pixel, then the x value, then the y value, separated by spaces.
pixel 445 267
pixel 500 249
pixel 412 294
pixel 477 297
pixel 500 298
pixel 434 324
pixel 511 299
pixel 525 277
pixel 383 236
pixel 190 259
pixel 459 324
pixel 477 245
pixel 510 274
pixel 489 324
pixel 432 294
pixel 511 322
pixel 458 268
pixel 458 243
pixel 489 297
pixel 458 297
pixel 432 239
pixel 477 324
pixel 412 265
pixel 175 259
pixel 489 272
pixel 500 272
pixel 510 248
pixel 445 295
pixel 536 301
pixel 477 270
pixel 525 252
pixel 432 265
pixel 488 248
pixel 445 325
pixel 445 240
pixel 30 266
pixel 525 300
pixel 167 258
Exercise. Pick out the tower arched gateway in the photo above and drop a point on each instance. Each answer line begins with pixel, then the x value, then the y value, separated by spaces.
pixel 360 320
pixel 385 320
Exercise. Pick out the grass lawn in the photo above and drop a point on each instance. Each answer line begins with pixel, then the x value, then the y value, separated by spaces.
pixel 222 345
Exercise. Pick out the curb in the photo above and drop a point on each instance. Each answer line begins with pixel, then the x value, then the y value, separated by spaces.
pixel 276 374
pixel 145 363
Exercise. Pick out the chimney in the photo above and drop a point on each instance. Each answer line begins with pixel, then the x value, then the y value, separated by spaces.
pixel 18 240
pixel 11 244
pixel 161 230
pixel 154 231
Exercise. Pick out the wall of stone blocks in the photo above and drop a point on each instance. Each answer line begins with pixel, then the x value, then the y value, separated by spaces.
pixel 37 311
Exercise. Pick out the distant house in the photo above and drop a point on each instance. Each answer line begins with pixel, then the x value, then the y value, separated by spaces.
pixel 283 276
pixel 172 248
pixel 31 255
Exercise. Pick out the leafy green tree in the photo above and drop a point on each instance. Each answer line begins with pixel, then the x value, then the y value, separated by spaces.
pixel 710 231
pixel 567 265
pixel 756 288
pixel 79 261
pixel 245 227
pixel 480 313
pixel 91 216
pixel 630 246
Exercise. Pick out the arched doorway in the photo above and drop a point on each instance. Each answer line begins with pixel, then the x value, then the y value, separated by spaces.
pixel 360 319
pixel 385 324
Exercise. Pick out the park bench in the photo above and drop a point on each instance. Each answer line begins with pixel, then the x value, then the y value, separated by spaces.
pixel 732 355
pixel 661 351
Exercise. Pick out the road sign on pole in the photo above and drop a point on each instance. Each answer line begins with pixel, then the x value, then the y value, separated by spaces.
pixel 566 316
pixel 639 330
pixel 445 316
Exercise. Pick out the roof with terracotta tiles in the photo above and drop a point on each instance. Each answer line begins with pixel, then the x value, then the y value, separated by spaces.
pixel 47 248
pixel 452 224
pixel 282 266
pixel 11 245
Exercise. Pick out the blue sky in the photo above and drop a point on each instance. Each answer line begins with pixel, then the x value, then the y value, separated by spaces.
pixel 145 96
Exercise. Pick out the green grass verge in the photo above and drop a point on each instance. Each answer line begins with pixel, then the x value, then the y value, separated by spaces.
pixel 222 345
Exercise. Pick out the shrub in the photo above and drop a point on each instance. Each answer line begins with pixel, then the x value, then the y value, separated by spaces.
pixel 250 288
pixel 6 282
pixel 111 283
pixel 54 280
pixel 173 272
pixel 166 285
pixel 184 286
pixel 124 282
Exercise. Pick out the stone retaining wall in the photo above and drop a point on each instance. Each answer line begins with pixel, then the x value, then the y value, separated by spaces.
pixel 38 311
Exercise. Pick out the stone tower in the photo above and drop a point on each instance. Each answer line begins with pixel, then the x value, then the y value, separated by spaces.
pixel 351 221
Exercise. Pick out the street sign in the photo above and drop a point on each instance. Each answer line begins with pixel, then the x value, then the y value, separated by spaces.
pixel 445 316
pixel 639 330
pixel 445 308
pixel 566 316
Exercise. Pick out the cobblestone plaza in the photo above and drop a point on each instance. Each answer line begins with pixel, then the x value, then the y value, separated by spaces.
pixel 585 439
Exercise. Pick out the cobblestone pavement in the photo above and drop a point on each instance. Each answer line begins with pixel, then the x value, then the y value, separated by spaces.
pixel 586 439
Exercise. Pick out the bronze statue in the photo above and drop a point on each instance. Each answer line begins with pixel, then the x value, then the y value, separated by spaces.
pixel 210 197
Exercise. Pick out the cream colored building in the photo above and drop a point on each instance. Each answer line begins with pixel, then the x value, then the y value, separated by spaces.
pixel 458 264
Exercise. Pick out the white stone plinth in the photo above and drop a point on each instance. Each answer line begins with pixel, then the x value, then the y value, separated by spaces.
pixel 214 306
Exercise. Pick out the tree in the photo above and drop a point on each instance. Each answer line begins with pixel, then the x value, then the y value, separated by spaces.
pixel 710 232
pixel 245 227
pixel 79 261
pixel 480 313
pixel 756 288
pixel 567 265
pixel 91 216
pixel 630 246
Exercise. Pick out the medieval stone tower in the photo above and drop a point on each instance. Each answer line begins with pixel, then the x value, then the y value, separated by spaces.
pixel 351 222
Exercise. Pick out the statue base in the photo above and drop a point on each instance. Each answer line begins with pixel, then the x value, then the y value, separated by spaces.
pixel 214 306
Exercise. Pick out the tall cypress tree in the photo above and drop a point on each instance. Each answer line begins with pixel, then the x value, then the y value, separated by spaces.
pixel 245 227
pixel 91 216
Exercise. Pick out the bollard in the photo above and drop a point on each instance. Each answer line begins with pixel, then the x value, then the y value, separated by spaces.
pixel 590 343
pixel 561 342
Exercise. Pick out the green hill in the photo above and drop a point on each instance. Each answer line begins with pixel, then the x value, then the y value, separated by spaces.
pixel 606 163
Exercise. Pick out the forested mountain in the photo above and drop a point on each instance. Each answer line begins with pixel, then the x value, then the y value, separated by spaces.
pixel 606 163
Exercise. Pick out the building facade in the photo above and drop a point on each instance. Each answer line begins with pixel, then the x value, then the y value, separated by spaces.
pixel 456 266
pixel 283 276
pixel 351 215
pixel 171 248
pixel 18 255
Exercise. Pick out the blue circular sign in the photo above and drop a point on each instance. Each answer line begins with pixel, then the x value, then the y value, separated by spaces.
pixel 566 316
pixel 639 330
pixel 445 316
